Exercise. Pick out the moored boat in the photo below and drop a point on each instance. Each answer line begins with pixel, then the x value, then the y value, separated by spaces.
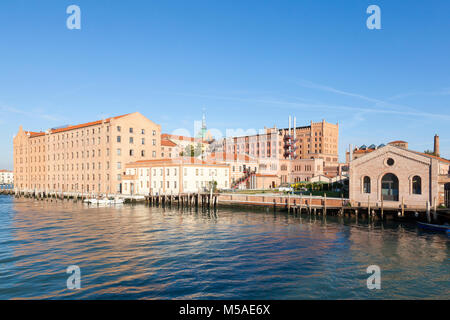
pixel 434 227
pixel 104 201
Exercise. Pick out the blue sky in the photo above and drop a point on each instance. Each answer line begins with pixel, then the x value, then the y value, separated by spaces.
pixel 249 63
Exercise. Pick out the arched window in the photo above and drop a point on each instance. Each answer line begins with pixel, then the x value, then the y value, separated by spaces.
pixel 366 185
pixel 389 187
pixel 416 185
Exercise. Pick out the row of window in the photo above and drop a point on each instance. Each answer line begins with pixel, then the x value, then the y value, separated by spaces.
pixel 71 187
pixel 416 187
pixel 173 184
pixel 131 130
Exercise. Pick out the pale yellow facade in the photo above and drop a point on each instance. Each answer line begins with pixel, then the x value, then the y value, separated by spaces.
pixel 174 176
pixel 6 177
pixel 88 158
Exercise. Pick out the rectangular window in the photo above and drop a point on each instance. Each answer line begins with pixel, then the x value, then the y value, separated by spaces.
pixel 131 130
pixel 119 152
pixel 119 165
pixel 119 139
pixel 131 140
pixel 118 128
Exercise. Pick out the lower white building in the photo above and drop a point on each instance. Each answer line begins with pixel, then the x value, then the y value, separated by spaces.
pixel 6 177
pixel 173 176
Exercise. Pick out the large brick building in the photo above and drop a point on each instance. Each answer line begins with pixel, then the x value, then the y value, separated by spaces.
pixel 88 157
pixel 312 149
pixel 396 175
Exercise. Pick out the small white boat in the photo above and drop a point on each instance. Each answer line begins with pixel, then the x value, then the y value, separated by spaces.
pixel 91 201
pixel 118 201
pixel 104 201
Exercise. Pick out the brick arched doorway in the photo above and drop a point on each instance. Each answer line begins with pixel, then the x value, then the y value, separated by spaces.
pixel 389 187
pixel 447 195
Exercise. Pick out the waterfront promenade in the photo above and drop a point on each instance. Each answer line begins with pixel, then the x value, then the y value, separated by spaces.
pixel 296 204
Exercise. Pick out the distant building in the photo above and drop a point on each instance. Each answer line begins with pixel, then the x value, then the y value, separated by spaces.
pixel 399 143
pixel 6 177
pixel 393 174
pixel 185 143
pixel 319 140
pixel 362 150
pixel 88 157
pixel 173 176
pixel 241 167
pixel 169 149
pixel 292 155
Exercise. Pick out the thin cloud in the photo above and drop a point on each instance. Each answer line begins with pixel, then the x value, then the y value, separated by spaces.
pixel 311 85
pixel 443 92
pixel 377 102
pixel 308 106
pixel 31 114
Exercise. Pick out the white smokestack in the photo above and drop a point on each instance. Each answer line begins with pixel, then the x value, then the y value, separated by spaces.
pixel 289 134
pixel 295 132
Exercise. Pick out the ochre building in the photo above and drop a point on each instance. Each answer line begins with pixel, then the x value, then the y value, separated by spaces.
pixel 88 157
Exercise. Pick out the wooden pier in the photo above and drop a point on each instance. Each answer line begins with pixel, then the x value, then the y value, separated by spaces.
pixel 315 205
pixel 198 200
pixel 293 204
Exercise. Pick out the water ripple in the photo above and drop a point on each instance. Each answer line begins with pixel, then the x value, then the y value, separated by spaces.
pixel 137 252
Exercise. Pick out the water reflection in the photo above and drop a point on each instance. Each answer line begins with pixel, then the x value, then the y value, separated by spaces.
pixel 140 252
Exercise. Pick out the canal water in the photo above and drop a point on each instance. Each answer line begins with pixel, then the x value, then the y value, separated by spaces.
pixel 141 252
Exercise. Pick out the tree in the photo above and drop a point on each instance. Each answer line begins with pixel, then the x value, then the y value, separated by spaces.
pixel 189 151
pixel 198 150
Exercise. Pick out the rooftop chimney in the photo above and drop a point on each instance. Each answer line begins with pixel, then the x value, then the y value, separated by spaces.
pixel 350 153
pixel 436 145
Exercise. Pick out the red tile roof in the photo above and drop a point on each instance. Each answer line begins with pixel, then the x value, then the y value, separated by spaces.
pixel 433 156
pixel 167 143
pixel 363 151
pixel 83 125
pixel 181 138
